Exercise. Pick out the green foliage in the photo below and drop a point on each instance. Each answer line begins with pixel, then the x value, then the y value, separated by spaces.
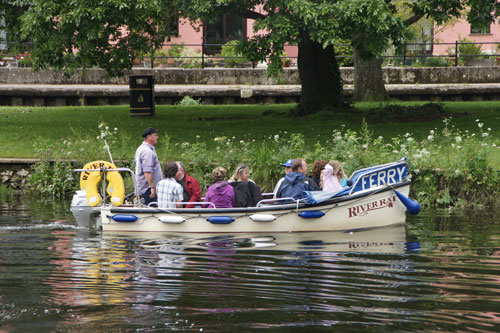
pixel 189 58
pixel 344 55
pixel 108 34
pixel 176 50
pixel 231 54
pixel 466 49
pixel 436 62
pixel 188 100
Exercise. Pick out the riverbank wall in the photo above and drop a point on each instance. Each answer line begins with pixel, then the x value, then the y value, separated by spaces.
pixel 22 87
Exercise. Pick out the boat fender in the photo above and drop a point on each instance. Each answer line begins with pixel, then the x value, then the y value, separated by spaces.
pixel 262 217
pixel 124 218
pixel 89 180
pixel 175 219
pixel 311 214
pixel 220 219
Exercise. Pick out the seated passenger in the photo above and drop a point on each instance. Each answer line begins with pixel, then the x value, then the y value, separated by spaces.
pixel 246 192
pixel 220 193
pixel 314 180
pixel 288 169
pixel 295 182
pixel 167 189
pixel 190 186
pixel 334 178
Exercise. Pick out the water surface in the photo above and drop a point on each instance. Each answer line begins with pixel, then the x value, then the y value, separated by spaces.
pixel 440 271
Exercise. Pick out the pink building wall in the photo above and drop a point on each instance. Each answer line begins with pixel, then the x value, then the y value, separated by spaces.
pixel 189 35
pixel 462 30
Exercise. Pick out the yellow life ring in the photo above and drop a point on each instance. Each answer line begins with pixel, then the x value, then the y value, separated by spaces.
pixel 90 179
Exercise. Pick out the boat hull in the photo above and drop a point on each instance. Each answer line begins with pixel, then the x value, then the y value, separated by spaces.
pixel 372 209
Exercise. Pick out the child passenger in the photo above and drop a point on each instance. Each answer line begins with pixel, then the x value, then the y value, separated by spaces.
pixel 334 178
pixel 168 190
pixel 220 193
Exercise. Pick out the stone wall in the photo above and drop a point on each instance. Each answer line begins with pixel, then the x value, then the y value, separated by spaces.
pixel 252 76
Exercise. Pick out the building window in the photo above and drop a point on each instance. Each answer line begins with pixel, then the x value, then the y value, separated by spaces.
pixel 173 27
pixel 225 28
pixel 474 30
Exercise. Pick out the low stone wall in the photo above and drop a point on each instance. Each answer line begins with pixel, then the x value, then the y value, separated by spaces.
pixel 251 76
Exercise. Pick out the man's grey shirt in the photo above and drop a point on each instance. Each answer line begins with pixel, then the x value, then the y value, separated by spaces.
pixel 146 161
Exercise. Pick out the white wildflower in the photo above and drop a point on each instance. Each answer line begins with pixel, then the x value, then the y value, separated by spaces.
pixel 365 146
pixel 458 139
pixel 493 145
pixel 430 137
pixel 197 136
pixel 276 137
pixel 432 132
pixel 480 125
pixel 485 134
pixel 457 172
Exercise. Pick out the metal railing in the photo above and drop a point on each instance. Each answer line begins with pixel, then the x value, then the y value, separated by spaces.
pixel 411 53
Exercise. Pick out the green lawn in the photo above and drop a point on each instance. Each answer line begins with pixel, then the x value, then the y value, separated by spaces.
pixel 23 129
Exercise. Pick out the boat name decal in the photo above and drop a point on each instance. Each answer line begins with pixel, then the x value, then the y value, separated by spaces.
pixel 363 209
pixel 94 166
pixel 382 177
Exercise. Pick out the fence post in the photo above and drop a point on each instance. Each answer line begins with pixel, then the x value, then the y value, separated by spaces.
pixel 404 53
pixel 456 53
pixel 203 48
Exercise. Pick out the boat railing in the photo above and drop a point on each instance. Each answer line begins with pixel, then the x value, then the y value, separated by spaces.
pixel 277 200
pixel 201 203
pixel 103 187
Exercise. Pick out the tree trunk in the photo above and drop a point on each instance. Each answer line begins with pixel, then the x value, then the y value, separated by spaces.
pixel 368 79
pixel 320 77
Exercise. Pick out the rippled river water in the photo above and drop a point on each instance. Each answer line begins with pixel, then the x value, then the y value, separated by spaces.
pixel 438 272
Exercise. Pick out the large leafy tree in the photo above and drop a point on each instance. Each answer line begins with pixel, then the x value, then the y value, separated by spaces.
pixel 314 26
pixel 368 80
pixel 70 34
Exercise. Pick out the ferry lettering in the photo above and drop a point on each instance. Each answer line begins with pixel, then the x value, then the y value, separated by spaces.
pixel 372 179
pixel 400 173
pixel 363 182
pixel 381 177
pixel 390 176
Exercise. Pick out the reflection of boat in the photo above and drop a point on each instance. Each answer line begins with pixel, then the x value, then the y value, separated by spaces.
pixel 390 239
pixel 371 201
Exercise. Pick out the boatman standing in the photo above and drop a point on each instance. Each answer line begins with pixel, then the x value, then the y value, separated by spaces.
pixel 147 167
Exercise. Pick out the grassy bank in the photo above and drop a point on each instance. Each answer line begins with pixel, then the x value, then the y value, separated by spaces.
pixel 24 130
pixel 453 155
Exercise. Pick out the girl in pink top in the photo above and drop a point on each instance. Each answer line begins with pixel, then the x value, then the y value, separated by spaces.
pixel 333 177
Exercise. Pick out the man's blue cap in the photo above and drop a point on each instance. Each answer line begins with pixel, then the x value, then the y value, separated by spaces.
pixel 288 163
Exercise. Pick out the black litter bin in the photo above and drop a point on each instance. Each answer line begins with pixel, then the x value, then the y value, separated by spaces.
pixel 142 95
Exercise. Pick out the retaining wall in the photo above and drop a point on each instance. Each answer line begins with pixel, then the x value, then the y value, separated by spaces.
pixel 21 86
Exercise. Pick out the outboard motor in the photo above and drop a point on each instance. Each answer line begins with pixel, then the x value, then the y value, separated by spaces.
pixel 85 216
